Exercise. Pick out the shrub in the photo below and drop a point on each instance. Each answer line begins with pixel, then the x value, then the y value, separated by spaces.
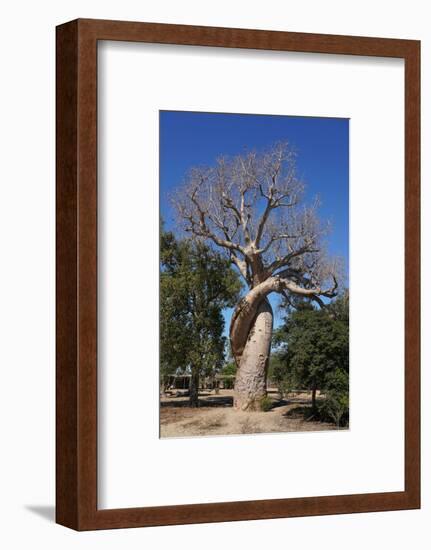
pixel 335 408
pixel 228 383
pixel 265 404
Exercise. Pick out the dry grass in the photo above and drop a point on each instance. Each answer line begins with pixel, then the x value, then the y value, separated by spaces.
pixel 249 427
pixel 215 416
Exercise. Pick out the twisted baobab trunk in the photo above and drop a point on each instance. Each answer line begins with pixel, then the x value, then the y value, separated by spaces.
pixel 250 333
pixel 250 336
pixel 252 363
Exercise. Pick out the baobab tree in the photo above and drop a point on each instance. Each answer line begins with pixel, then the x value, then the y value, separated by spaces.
pixel 252 206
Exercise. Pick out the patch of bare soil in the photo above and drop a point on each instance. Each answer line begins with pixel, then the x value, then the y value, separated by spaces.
pixel 215 416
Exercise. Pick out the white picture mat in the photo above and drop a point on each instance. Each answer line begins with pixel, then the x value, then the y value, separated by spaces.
pixel 135 467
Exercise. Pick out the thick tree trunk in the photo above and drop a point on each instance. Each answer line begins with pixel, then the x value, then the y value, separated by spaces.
pixel 250 381
pixel 194 389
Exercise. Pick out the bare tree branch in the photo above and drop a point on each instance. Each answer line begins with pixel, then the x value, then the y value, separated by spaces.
pixel 251 205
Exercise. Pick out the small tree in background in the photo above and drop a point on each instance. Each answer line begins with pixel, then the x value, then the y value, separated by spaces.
pixel 229 371
pixel 317 354
pixel 175 331
pixel 280 373
pixel 196 284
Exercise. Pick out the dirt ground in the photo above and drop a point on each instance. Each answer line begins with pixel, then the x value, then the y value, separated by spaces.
pixel 215 416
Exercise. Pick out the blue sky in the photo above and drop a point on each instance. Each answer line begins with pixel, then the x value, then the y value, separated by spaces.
pixel 191 138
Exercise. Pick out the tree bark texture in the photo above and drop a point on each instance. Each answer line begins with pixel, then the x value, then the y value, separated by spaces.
pixel 194 388
pixel 252 361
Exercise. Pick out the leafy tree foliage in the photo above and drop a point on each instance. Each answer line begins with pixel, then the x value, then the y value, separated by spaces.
pixel 316 355
pixel 335 406
pixel 196 284
pixel 229 371
pixel 280 373
pixel 339 308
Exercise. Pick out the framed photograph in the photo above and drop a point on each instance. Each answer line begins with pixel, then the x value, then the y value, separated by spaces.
pixel 238 274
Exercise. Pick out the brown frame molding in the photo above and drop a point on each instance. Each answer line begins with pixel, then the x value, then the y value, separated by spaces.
pixel 76 373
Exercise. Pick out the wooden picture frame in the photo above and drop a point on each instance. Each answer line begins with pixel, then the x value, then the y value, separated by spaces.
pixel 76 374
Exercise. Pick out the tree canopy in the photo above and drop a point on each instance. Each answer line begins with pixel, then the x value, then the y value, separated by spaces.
pixel 316 352
pixel 196 284
pixel 252 206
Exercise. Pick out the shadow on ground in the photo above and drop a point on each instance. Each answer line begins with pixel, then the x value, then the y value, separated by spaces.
pixel 302 411
pixel 289 401
pixel 45 512
pixel 210 401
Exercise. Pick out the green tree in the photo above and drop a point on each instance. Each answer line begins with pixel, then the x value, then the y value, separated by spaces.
pixel 279 372
pixel 196 284
pixel 317 352
pixel 229 372
pixel 335 406
pixel 339 308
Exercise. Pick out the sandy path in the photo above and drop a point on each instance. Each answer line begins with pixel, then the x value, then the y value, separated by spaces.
pixel 215 416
